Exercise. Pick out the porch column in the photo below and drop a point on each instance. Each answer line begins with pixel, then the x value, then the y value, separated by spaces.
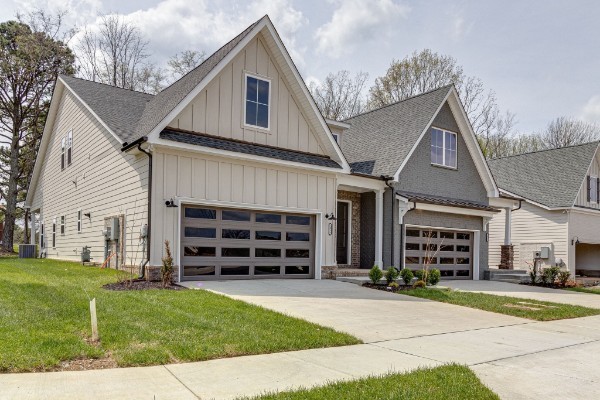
pixel 379 228
pixel 507 228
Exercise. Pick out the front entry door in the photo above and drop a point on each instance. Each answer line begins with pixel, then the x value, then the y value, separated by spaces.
pixel 342 233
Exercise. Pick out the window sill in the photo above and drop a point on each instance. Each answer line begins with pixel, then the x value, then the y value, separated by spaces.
pixel 444 167
pixel 257 128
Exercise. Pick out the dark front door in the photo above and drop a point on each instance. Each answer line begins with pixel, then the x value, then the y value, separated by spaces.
pixel 342 233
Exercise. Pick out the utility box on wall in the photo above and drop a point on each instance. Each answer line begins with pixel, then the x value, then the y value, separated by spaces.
pixel 114 233
pixel 545 252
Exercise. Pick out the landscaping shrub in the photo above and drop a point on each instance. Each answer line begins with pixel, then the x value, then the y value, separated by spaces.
pixel 433 278
pixel 552 273
pixel 375 274
pixel 533 275
pixel 421 275
pixel 419 284
pixel 563 277
pixel 166 271
pixel 406 275
pixel 391 274
pixel 394 285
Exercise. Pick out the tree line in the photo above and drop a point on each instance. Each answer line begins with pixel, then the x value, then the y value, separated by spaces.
pixel 36 47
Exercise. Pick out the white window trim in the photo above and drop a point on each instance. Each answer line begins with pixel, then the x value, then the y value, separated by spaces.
pixel 54 233
pixel 63 153
pixel 42 234
pixel 63 225
pixel 443 165
pixel 79 221
pixel 262 78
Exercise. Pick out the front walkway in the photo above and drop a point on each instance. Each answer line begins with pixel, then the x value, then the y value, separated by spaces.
pixel 526 292
pixel 517 358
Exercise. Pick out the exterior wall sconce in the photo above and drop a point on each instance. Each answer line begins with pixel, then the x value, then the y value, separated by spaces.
pixel 575 240
pixel 330 217
pixel 171 203
pixel 88 215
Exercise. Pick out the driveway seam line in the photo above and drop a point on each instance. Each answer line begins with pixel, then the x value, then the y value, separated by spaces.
pixel 410 354
pixel 183 384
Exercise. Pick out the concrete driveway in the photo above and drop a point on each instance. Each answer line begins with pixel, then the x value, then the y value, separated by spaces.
pixel 517 358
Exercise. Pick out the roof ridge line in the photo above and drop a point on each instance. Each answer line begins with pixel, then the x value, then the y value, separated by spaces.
pixel 398 102
pixel 106 84
pixel 597 142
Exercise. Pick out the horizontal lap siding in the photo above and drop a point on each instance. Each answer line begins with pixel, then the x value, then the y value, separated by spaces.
pixel 496 232
pixel 101 181
pixel 208 178
pixel 533 225
pixel 219 109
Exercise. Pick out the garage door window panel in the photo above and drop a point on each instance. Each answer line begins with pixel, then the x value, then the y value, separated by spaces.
pixel 235 270
pixel 297 236
pixel 200 213
pixel 235 252
pixel 230 215
pixel 269 253
pixel 297 220
pixel 268 218
pixel 267 270
pixel 267 235
pixel 242 234
pixel 297 270
pixel 190 270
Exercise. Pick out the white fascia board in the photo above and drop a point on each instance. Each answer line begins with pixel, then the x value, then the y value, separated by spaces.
pixel 578 210
pixel 535 203
pixel 453 210
pixel 337 124
pixel 360 182
pixel 412 150
pixel 39 159
pixel 207 79
pixel 118 139
pixel 473 145
pixel 169 144
pixel 308 96
pixel 502 202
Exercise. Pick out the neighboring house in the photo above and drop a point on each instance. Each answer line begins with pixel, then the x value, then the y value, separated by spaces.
pixel 234 165
pixel 559 211
pixel 436 200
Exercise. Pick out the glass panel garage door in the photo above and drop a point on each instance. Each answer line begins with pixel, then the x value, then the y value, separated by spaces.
pixel 450 251
pixel 220 243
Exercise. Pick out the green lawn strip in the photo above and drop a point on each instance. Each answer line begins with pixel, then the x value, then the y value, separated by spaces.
pixel 445 382
pixel 517 307
pixel 44 319
pixel 584 290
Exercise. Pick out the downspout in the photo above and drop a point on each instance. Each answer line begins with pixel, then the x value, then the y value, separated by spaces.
pixel 387 180
pixel 143 267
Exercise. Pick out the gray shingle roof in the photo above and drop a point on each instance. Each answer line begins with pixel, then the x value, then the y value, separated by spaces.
pixel 118 108
pixel 166 100
pixel 378 141
pixel 549 177
pixel 239 146
pixel 445 201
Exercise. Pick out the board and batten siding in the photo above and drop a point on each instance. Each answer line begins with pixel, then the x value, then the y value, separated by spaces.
pixel 101 180
pixel 532 227
pixel 594 170
pixel 200 178
pixel 219 108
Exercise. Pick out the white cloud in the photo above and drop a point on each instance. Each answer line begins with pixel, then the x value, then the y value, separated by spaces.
pixel 591 110
pixel 174 25
pixel 355 21
pixel 78 11
pixel 460 28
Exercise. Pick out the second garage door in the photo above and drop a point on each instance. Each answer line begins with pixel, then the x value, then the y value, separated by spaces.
pixel 221 243
pixel 449 251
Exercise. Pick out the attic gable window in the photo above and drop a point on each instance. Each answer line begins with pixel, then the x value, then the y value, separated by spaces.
pixel 593 187
pixel 258 93
pixel 443 148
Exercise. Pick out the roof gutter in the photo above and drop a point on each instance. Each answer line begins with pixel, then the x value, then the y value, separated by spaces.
pixel 135 143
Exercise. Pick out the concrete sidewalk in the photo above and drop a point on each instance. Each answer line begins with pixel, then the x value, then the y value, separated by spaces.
pixel 526 292
pixel 517 358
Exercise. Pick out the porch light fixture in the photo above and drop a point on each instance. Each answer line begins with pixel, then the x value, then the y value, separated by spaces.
pixel 330 217
pixel 575 240
pixel 171 203
pixel 87 214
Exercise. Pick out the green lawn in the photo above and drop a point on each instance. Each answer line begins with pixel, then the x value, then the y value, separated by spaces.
pixel 44 319
pixel 441 383
pixel 524 308
pixel 595 290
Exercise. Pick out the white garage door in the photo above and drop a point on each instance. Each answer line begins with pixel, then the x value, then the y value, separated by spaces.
pixel 449 251
pixel 220 243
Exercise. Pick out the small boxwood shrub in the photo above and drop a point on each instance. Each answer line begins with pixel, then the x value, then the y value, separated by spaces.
pixel 419 284
pixel 394 285
pixel 563 277
pixel 391 274
pixel 421 275
pixel 433 278
pixel 406 275
pixel 375 274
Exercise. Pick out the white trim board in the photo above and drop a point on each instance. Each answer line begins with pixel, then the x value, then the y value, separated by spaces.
pixel 453 210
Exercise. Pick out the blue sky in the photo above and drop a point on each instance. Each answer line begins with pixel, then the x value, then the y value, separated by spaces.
pixel 541 58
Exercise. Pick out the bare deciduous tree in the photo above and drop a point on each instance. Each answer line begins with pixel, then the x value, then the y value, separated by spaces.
pixel 340 96
pixel 424 71
pixel 115 54
pixel 566 131
pixel 185 61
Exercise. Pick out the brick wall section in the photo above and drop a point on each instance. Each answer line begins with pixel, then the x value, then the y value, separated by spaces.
pixel 367 231
pixel 355 198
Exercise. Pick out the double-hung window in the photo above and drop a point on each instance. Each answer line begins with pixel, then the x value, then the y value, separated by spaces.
pixel 63 147
pixel 79 221
pixel 69 147
pixel 257 102
pixel 443 148
pixel 593 189
pixel 66 150
pixel 62 225
pixel 54 233
pixel 42 236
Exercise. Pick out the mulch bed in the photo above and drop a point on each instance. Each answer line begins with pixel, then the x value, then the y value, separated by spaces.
pixel 386 288
pixel 140 284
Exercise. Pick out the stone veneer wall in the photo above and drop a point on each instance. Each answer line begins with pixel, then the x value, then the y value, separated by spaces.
pixel 355 227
